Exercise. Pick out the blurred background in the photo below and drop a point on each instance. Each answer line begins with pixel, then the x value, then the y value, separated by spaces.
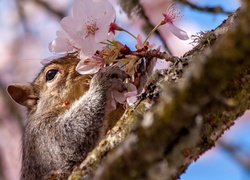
pixel 28 26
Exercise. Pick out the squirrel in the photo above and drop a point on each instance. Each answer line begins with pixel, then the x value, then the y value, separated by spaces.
pixel 67 116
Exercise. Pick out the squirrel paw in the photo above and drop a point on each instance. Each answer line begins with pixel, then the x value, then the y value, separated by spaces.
pixel 111 78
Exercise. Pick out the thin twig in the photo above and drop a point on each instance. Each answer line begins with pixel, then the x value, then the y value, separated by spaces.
pixel 154 53
pixel 215 9
pixel 236 154
pixel 49 8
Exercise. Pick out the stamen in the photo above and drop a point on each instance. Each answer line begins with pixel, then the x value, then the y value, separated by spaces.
pixel 91 29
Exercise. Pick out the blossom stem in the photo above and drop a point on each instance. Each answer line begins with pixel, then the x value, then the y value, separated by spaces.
pixel 118 28
pixel 124 65
pixel 151 32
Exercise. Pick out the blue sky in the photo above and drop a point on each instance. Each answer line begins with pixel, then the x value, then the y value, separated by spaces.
pixel 208 21
pixel 217 164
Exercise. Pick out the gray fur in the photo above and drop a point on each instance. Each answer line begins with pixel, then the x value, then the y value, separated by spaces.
pixel 54 140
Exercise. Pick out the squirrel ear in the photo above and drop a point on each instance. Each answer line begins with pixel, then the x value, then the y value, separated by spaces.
pixel 23 94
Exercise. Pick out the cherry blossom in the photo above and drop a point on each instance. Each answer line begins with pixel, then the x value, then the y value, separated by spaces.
pixel 90 32
pixel 170 16
pixel 90 65
pixel 61 43
pixel 86 29
pixel 89 24
pixel 139 44
pixel 117 96
pixel 130 96
pixel 143 45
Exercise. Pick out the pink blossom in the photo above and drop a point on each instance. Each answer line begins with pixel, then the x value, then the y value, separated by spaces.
pixel 139 44
pixel 170 16
pixel 130 96
pixel 89 24
pixel 116 96
pixel 61 43
pixel 90 65
pixel 113 26
pixel 177 32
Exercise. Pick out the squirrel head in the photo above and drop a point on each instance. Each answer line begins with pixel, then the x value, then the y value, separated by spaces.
pixel 56 87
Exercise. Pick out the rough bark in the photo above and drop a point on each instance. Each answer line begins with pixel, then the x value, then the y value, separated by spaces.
pixel 192 111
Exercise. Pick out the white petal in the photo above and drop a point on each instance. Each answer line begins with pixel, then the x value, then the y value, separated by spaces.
pixel 61 43
pixel 87 68
pixel 74 28
pixel 177 31
pixel 119 97
pixel 131 100
pixel 89 46
pixel 139 40
pixel 104 9
pixel 113 103
pixel 111 36
pixel 107 16
pixel 83 56
pixel 88 64
pixel 101 35
pixel 131 95
pixel 132 88
pixel 83 8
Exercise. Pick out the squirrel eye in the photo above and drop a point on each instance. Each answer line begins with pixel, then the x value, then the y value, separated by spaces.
pixel 51 74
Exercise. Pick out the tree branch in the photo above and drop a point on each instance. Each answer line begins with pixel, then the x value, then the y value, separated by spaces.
pixel 49 8
pixel 236 153
pixel 56 12
pixel 216 9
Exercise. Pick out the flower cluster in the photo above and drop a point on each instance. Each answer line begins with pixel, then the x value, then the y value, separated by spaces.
pixel 90 32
